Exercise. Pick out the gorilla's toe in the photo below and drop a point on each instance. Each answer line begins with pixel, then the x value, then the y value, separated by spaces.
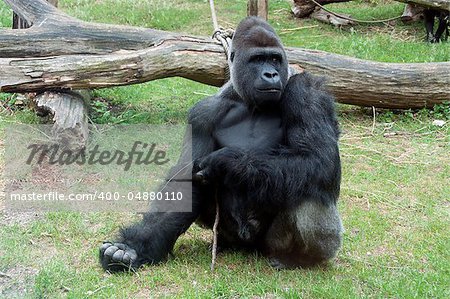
pixel 117 257
pixel 277 264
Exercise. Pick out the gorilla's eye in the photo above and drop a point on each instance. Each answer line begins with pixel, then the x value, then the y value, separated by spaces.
pixel 232 56
pixel 257 58
pixel 276 59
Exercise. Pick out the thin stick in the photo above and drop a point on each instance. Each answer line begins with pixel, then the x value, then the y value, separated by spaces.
pixel 5 275
pixel 373 122
pixel 299 28
pixel 351 19
pixel 214 246
pixel 225 44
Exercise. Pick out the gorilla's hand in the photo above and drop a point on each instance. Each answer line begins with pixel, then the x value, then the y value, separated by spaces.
pixel 117 256
pixel 215 164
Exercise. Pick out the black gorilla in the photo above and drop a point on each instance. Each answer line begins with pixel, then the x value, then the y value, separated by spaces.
pixel 266 147
pixel 442 32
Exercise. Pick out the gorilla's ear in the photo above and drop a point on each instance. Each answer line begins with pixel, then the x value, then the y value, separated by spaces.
pixel 232 56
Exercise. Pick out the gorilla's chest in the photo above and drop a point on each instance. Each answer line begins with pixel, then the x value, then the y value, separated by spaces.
pixel 248 130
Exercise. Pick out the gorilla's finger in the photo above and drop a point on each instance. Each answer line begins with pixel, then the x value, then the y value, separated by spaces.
pixel 126 258
pixel 118 255
pixel 120 246
pixel 105 246
pixel 196 166
pixel 129 257
pixel 201 177
pixel 276 264
pixel 110 250
pixel 203 164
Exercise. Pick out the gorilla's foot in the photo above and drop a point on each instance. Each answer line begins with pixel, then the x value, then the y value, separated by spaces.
pixel 116 257
pixel 277 264
pixel 301 261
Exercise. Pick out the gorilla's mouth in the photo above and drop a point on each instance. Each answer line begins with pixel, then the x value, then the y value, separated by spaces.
pixel 270 90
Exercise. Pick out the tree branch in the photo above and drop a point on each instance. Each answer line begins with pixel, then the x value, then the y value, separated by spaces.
pixel 98 55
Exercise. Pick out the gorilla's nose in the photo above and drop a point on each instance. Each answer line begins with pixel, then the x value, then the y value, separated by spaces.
pixel 270 76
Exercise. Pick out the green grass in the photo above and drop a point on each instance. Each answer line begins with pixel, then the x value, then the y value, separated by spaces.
pixel 394 201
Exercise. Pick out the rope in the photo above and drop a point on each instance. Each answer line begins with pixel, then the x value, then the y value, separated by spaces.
pixel 351 19
pixel 220 34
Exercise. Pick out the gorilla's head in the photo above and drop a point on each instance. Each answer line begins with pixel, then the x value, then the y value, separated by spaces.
pixel 259 68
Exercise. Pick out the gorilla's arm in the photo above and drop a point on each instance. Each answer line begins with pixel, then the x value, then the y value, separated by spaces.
pixel 202 118
pixel 311 167
pixel 151 240
pixel 307 165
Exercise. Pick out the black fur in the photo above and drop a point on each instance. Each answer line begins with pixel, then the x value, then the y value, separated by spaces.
pixel 443 18
pixel 266 146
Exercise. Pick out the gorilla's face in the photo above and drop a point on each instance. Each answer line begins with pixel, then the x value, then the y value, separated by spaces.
pixel 259 69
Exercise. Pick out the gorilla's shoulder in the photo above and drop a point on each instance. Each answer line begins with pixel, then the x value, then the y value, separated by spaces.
pixel 308 92
pixel 307 102
pixel 211 109
pixel 307 83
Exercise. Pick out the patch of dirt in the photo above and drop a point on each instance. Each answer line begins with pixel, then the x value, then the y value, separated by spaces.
pixel 9 218
pixel 17 282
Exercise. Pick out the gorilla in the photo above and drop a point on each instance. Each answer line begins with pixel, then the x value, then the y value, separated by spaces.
pixel 442 32
pixel 265 149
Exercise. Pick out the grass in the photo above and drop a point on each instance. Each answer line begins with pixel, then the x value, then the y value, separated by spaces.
pixel 395 199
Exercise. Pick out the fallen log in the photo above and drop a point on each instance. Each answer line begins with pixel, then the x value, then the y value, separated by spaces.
pixel 323 16
pixel 440 4
pixel 69 109
pixel 412 13
pixel 98 55
pixel 304 8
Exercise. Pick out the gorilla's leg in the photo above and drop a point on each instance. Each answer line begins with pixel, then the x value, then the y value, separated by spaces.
pixel 441 34
pixel 306 237
pixel 429 15
pixel 149 241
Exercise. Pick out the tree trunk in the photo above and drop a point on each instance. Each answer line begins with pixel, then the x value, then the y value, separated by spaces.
pixel 259 8
pixel 69 110
pixel 412 13
pixel 70 116
pixel 98 55
pixel 304 8
pixel 441 4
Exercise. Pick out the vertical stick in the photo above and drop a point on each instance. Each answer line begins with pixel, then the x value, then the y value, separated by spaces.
pixel 259 8
pixel 19 23
pixel 213 15
pixel 216 224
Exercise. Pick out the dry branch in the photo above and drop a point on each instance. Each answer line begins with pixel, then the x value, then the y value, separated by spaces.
pixel 99 55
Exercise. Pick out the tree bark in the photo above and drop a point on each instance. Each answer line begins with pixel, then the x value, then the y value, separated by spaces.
pixel 304 8
pixel 441 4
pixel 259 8
pixel 412 13
pixel 68 108
pixel 70 116
pixel 97 55
pixel 326 17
